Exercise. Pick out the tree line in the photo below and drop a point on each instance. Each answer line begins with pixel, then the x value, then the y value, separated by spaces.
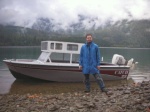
pixel 121 34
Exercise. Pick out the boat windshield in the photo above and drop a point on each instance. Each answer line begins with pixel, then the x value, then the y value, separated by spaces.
pixel 43 56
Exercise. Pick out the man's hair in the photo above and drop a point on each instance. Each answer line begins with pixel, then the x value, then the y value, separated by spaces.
pixel 88 35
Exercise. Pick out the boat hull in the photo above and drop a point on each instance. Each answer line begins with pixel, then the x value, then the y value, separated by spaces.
pixel 62 73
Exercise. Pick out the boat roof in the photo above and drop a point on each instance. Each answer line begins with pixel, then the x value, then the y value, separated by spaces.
pixel 62 47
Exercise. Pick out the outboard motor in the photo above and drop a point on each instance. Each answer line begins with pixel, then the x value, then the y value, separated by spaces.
pixel 118 59
pixel 131 63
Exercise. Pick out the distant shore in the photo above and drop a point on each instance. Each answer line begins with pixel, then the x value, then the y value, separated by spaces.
pixel 18 46
pixel 123 48
pixel 99 47
pixel 123 98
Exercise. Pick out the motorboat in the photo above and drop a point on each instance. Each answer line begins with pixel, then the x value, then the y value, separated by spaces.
pixel 59 62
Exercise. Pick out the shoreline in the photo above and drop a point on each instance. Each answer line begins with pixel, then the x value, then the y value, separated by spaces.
pixel 38 46
pixel 123 98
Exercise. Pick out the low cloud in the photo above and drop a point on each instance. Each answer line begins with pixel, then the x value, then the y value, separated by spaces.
pixel 64 13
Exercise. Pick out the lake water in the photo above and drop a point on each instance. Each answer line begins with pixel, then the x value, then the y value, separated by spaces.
pixel 8 84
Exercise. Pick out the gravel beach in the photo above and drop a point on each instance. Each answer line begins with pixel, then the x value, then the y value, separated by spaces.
pixel 124 98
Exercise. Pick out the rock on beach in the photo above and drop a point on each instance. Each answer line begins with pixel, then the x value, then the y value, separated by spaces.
pixel 123 98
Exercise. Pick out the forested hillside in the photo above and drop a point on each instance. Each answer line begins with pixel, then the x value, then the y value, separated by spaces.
pixel 120 34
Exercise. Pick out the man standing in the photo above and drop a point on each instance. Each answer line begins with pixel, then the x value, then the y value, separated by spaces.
pixel 89 63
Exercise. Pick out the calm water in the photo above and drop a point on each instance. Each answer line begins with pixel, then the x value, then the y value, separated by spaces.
pixel 8 84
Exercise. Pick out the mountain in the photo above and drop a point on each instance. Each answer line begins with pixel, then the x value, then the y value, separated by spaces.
pixel 120 34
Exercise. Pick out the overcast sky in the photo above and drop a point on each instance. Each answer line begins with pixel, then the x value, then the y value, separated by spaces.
pixel 63 13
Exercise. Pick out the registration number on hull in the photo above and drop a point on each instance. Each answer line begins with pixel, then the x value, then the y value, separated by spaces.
pixel 123 73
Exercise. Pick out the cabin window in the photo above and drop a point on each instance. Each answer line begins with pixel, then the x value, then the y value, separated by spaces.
pixel 72 47
pixel 44 45
pixel 60 57
pixel 58 46
pixel 52 45
pixel 75 58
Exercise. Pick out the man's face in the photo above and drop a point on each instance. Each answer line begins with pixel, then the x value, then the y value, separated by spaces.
pixel 89 38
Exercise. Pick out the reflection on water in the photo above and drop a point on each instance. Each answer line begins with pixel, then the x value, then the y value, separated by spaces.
pixel 8 84
pixel 6 80
pixel 138 78
pixel 24 87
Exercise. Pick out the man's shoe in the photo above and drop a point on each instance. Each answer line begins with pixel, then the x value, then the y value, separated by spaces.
pixel 104 90
pixel 87 91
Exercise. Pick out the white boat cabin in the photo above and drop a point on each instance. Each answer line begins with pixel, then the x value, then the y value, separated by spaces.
pixel 60 52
